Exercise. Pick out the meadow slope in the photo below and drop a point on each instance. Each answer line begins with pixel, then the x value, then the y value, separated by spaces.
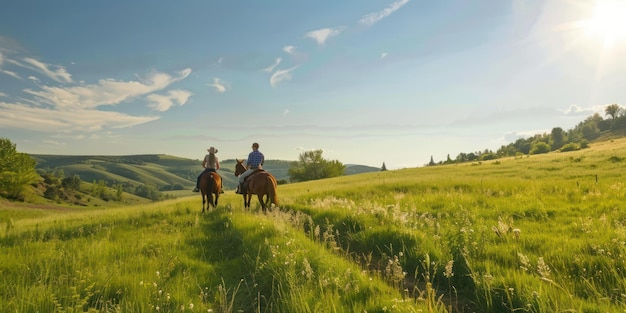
pixel 544 233
pixel 156 169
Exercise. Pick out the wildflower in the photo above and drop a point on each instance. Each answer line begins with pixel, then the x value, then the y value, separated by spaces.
pixel 191 306
pixel 448 271
pixel 542 268
pixel 516 232
pixel 158 273
pixel 525 263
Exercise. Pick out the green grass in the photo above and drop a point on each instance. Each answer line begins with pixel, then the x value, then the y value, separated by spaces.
pixel 545 233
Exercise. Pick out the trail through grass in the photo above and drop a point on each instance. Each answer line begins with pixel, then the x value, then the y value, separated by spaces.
pixel 545 233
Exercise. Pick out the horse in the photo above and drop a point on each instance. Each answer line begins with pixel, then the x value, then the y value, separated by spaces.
pixel 260 183
pixel 210 184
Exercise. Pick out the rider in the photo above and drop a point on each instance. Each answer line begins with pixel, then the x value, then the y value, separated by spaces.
pixel 210 164
pixel 254 162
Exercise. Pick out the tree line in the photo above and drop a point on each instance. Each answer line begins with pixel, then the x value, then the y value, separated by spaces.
pixel 17 170
pixel 557 140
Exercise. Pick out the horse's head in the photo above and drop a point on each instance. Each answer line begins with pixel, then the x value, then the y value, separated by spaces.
pixel 239 167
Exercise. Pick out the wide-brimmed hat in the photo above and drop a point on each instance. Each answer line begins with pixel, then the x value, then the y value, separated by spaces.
pixel 212 150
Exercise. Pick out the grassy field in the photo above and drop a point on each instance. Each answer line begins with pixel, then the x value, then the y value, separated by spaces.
pixel 545 233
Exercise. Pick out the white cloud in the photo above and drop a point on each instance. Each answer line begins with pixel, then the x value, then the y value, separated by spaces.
pixel 7 72
pixel 105 92
pixel 219 85
pixel 286 112
pixel 383 55
pixel 271 68
pixel 2 94
pixel 515 135
pixel 47 120
pixel 373 18
pixel 163 103
pixel 10 73
pixel 54 72
pixel 578 111
pixel 321 35
pixel 280 76
pixel 74 109
pixel 289 49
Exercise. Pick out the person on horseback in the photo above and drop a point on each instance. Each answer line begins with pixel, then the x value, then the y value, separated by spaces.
pixel 210 164
pixel 254 162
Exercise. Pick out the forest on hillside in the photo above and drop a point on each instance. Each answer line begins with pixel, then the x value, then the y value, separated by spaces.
pixel 593 128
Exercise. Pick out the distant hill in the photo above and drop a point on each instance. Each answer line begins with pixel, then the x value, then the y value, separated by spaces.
pixel 159 170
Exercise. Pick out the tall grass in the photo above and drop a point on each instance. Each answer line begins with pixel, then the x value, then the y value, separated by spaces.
pixel 545 233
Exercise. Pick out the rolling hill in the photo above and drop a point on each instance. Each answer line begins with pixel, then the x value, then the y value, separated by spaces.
pixel 159 170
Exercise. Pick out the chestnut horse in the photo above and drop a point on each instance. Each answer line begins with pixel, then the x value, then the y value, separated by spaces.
pixel 210 185
pixel 260 183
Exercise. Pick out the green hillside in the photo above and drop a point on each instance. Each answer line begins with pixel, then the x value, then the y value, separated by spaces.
pixel 539 233
pixel 158 170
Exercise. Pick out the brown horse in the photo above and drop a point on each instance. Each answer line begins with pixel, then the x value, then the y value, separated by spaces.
pixel 260 183
pixel 210 185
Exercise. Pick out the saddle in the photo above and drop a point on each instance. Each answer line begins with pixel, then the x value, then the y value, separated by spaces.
pixel 247 179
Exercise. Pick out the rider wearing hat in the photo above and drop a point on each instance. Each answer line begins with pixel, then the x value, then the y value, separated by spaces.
pixel 210 164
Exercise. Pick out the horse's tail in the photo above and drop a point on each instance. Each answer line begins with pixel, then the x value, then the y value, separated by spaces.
pixel 272 189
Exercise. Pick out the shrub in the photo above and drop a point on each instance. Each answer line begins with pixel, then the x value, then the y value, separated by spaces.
pixel 572 146
pixel 540 148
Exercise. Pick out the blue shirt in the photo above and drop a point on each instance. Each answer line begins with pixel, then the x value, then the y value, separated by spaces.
pixel 255 158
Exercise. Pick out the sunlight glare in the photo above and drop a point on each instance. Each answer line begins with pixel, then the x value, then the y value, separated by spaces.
pixel 608 22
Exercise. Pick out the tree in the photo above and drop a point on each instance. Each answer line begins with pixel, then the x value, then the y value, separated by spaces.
pixel 612 110
pixel 384 168
pixel 17 170
pixel 311 165
pixel 432 162
pixel 558 138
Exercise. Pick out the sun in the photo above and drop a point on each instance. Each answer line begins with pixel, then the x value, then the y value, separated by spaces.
pixel 608 22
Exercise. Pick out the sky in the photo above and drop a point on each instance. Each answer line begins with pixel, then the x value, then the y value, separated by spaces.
pixel 368 82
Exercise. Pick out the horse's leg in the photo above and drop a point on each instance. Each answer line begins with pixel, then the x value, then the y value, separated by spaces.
pixel 268 202
pixel 217 195
pixel 203 202
pixel 262 203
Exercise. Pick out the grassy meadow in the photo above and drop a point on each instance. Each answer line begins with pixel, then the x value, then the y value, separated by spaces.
pixel 544 233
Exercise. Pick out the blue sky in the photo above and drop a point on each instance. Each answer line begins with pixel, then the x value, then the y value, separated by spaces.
pixel 366 81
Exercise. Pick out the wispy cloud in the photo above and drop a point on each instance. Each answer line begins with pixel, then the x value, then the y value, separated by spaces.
pixel 163 103
pixel 75 108
pixel 271 68
pixel 10 73
pixel 383 55
pixel 7 72
pixel 321 35
pixel 219 85
pixel 106 91
pixel 21 116
pixel 54 72
pixel 289 49
pixel 579 111
pixel 281 75
pixel 373 18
